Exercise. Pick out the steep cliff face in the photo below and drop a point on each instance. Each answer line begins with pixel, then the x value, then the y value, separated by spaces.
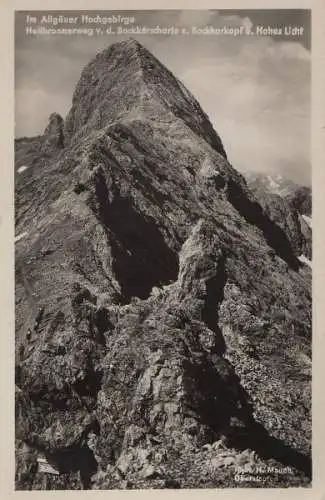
pixel 301 200
pixel 163 319
pixel 288 206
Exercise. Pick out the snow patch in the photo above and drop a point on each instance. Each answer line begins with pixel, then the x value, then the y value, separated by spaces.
pixel 304 260
pixel 307 220
pixel 20 236
pixel 22 169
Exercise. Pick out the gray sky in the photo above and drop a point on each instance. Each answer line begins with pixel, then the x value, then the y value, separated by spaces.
pixel 255 89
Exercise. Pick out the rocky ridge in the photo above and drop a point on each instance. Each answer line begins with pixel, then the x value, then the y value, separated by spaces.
pixel 163 319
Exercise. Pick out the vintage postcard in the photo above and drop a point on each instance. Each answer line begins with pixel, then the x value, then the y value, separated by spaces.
pixel 163 210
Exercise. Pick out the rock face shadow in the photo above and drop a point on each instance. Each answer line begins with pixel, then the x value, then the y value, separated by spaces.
pixel 141 257
pixel 269 447
pixel 253 213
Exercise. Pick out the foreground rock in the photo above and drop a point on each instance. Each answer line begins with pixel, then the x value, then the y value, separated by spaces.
pixel 163 320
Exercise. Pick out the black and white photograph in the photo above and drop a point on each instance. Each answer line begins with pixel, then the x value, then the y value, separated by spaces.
pixel 163 249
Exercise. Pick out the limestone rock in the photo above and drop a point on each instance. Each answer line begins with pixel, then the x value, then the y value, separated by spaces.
pixel 173 306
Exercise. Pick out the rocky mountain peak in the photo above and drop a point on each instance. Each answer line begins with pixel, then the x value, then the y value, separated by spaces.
pixel 125 81
pixel 159 307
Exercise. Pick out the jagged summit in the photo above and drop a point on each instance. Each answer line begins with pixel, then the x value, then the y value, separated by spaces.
pixel 125 81
pixel 128 45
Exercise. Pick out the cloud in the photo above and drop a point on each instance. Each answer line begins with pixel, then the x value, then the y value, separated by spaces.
pixel 257 94
pixel 197 17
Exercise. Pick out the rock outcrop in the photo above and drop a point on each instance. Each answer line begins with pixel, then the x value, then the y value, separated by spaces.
pixel 163 319
pixel 54 131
